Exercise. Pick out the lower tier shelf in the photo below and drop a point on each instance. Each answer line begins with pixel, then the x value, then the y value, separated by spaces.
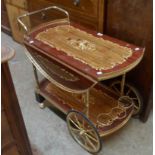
pixel 107 112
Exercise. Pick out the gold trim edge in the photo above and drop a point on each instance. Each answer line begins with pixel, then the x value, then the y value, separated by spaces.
pixel 104 134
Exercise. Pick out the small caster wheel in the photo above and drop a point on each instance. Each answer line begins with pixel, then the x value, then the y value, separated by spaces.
pixel 42 105
pixel 39 98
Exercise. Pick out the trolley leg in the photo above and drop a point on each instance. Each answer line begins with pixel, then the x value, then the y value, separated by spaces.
pixel 40 99
pixel 36 76
pixel 86 102
pixel 122 84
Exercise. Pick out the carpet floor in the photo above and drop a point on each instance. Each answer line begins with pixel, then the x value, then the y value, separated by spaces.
pixel 48 133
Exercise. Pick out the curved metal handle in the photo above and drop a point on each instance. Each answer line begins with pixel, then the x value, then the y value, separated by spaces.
pixel 41 10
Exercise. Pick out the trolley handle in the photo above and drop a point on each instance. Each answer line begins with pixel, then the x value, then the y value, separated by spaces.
pixel 19 19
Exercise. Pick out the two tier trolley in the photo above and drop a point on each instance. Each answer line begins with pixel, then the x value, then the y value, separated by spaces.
pixel 74 61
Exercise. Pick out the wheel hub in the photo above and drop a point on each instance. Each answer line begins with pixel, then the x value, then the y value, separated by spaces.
pixel 82 132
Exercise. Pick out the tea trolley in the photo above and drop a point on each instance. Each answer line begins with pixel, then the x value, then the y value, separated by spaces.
pixel 74 61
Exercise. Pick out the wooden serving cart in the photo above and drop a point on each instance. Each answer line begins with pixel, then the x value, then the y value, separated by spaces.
pixel 73 61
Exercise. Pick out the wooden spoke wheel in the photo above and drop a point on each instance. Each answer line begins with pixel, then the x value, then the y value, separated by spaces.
pixel 132 92
pixel 83 131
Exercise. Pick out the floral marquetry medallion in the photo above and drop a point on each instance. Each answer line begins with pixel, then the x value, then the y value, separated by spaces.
pixel 82 45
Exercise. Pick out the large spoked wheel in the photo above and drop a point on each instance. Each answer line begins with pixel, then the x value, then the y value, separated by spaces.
pixel 132 92
pixel 83 131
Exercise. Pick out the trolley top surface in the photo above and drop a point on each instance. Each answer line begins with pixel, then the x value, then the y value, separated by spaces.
pixel 92 54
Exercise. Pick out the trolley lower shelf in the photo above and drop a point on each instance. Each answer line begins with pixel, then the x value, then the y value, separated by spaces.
pixel 104 111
